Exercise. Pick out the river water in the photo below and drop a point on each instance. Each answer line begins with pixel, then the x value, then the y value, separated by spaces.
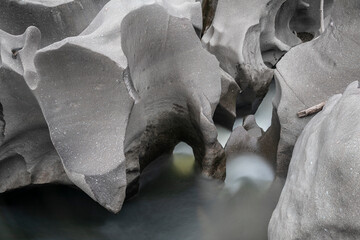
pixel 174 202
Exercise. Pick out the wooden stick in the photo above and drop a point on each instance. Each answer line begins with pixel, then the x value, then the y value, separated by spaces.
pixel 322 26
pixel 311 110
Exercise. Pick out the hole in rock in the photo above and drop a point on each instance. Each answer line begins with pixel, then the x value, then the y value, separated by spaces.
pixel 305 36
pixel 306 20
pixel 15 52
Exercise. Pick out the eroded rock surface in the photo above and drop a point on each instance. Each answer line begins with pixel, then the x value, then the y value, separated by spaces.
pixel 320 197
pixel 27 155
pixel 250 138
pixel 233 38
pixel 168 70
pixel 56 19
pixel 95 109
pixel 312 72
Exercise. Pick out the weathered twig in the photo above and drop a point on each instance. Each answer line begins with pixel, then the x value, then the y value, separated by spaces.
pixel 322 25
pixel 312 110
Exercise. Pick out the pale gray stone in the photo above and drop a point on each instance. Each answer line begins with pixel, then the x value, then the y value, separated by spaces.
pixel 56 19
pixel 312 72
pixel 27 155
pixel 178 87
pixel 320 199
pixel 97 112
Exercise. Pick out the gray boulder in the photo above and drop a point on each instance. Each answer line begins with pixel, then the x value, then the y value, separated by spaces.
pixel 240 34
pixel 108 123
pixel 27 155
pixel 225 113
pixel 56 19
pixel 250 138
pixel 177 86
pixel 312 72
pixel 320 199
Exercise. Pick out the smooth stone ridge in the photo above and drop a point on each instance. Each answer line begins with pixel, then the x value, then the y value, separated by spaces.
pixel 320 197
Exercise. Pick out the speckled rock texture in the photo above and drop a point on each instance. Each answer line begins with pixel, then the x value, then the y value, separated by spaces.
pixel 27 155
pixel 108 117
pixel 314 71
pixel 93 91
pixel 56 19
pixel 320 199
pixel 171 105
pixel 240 33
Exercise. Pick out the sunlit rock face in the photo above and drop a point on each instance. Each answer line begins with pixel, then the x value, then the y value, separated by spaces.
pixel 56 19
pixel 320 198
pixel 27 155
pixel 312 72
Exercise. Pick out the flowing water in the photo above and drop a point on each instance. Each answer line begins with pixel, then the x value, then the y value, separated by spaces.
pixel 174 203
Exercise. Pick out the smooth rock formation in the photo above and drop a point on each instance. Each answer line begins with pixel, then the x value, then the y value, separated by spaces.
pixel 312 72
pixel 56 19
pixel 320 199
pixel 87 97
pixel 177 84
pixel 250 138
pixel 103 36
pixel 27 155
pixel 289 23
pixel 233 38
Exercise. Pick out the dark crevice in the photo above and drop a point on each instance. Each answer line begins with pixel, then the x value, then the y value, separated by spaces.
pixel 305 36
pixel 15 52
pixel 208 10
pixel 2 123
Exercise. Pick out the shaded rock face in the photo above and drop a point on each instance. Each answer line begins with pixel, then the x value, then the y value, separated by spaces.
pixel 250 37
pixel 239 35
pixel 27 155
pixel 225 113
pixel 171 104
pixel 312 72
pixel 56 19
pixel 250 138
pixel 208 10
pixel 234 39
pixel 320 197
